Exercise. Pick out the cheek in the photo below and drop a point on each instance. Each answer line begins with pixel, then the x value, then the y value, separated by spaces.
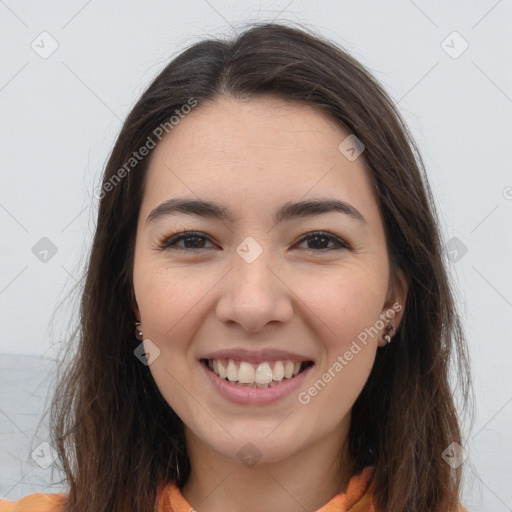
pixel 347 309
pixel 166 299
pixel 166 303
pixel 331 395
pixel 171 302
pixel 347 302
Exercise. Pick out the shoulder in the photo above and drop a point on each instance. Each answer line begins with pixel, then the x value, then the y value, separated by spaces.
pixel 36 502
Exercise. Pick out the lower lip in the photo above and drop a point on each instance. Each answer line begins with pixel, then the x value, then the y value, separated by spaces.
pixel 249 396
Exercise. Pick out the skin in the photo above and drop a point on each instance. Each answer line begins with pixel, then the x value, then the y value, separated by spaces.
pixel 253 156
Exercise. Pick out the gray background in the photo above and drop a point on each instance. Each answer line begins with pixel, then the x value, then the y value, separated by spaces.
pixel 60 115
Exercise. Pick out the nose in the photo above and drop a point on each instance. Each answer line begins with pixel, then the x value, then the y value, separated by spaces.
pixel 253 295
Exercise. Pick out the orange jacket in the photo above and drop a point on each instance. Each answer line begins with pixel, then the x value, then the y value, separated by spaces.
pixel 357 498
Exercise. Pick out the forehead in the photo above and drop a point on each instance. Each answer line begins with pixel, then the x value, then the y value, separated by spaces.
pixel 263 127
pixel 257 149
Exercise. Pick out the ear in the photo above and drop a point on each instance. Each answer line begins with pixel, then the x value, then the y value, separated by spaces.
pixel 394 306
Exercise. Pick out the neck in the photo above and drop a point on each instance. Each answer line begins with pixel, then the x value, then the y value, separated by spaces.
pixel 304 481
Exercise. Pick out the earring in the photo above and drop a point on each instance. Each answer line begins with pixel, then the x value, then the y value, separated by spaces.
pixel 387 337
pixel 138 332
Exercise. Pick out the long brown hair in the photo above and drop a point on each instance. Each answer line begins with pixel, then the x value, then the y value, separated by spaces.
pixel 117 438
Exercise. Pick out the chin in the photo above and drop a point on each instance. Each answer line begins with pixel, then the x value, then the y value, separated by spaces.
pixel 261 442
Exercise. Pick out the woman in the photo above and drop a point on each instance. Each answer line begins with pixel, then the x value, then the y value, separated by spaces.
pixel 266 227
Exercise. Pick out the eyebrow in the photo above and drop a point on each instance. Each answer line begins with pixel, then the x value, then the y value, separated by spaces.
pixel 288 211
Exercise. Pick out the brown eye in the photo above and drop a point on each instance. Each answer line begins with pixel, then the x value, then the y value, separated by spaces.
pixel 318 241
pixel 192 240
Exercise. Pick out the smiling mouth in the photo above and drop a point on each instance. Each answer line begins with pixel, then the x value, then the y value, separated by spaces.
pixel 262 376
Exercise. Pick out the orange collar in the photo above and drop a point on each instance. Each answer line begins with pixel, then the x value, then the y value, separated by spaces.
pixel 357 497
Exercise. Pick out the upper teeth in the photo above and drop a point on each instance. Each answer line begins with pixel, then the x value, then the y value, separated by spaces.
pixel 247 373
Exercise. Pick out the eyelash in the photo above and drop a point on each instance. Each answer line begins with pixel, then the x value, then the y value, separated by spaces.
pixel 166 242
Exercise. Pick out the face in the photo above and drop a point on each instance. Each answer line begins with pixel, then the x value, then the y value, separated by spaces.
pixel 257 286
